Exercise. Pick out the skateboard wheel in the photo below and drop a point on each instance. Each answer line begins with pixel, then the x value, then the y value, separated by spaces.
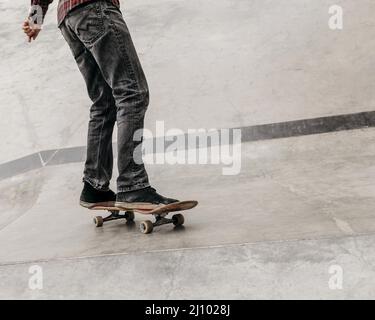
pixel 129 216
pixel 146 227
pixel 98 221
pixel 178 219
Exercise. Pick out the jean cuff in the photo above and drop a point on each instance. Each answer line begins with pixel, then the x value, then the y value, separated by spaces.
pixel 95 184
pixel 134 187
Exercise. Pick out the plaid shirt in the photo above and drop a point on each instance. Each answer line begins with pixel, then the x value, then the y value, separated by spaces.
pixel 63 8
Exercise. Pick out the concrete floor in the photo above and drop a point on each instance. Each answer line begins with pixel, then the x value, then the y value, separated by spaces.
pixel 299 206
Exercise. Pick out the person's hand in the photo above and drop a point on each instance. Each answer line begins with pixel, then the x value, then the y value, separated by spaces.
pixel 31 31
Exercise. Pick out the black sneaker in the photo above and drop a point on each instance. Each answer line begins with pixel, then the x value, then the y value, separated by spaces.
pixel 146 199
pixel 91 197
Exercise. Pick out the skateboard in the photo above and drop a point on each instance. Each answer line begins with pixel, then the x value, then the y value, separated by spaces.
pixel 160 213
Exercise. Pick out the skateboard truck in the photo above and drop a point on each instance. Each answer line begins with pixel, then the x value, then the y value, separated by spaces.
pixel 148 226
pixel 114 215
pixel 145 226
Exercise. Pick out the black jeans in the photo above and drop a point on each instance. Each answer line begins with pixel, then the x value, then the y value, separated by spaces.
pixel 103 49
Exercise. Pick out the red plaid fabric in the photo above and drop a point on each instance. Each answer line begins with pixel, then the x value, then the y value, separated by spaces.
pixel 64 6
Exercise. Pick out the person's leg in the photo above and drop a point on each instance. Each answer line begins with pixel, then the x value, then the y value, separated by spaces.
pixel 99 159
pixel 102 29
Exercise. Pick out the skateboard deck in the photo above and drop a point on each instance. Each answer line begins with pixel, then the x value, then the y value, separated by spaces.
pixel 160 212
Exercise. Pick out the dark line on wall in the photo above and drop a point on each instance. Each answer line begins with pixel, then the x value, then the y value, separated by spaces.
pixel 309 126
pixel 250 133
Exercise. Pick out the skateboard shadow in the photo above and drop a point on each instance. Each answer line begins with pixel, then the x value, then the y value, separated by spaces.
pixel 130 225
pixel 179 229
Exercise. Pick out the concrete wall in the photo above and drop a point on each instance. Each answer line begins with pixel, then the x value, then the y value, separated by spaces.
pixel 212 63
